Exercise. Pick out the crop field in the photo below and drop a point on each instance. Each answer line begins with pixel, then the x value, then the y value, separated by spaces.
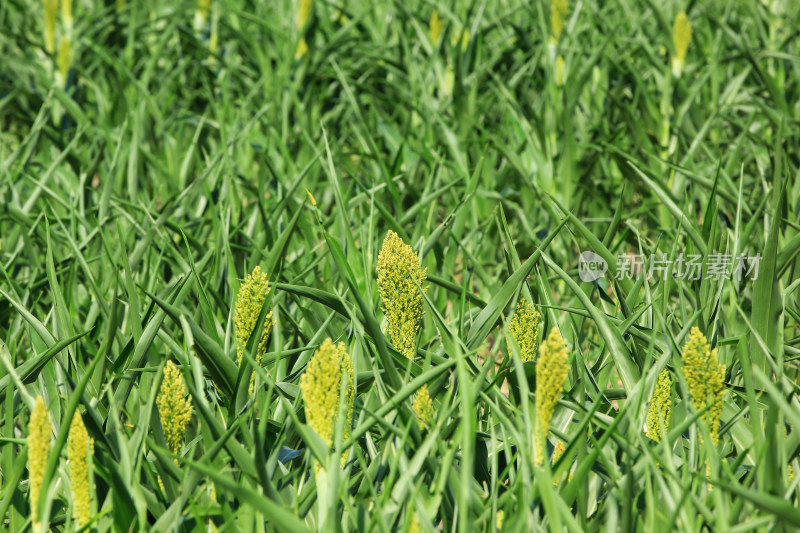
pixel 413 266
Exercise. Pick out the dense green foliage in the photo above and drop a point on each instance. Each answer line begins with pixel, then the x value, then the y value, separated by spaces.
pixel 152 154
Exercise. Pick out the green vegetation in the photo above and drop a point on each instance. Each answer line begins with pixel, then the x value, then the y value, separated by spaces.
pixel 195 198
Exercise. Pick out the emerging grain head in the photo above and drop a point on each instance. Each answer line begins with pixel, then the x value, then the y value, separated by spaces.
pixel 174 407
pixel 39 431
pixel 705 379
pixel 399 273
pixel 551 374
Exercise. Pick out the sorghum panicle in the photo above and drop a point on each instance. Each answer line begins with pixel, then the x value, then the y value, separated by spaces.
pixel 252 295
pixel 66 16
pixel 413 526
pixel 498 519
pixel 40 430
pixel 50 14
pixel 80 449
pixel 321 386
pixel 705 379
pixel 552 368
pixel 660 406
pixel 558 12
pixel 174 407
pixel 203 8
pixel 399 274
pixel 524 327
pixel 423 406
pixel 435 27
pixel 303 14
pixel 681 37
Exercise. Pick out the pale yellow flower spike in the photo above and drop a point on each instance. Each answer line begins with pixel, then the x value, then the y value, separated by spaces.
pixel 80 449
pixel 557 453
pixel 435 27
pixel 660 406
pixel 524 327
pixel 64 59
pixel 681 37
pixel 558 12
pixel 705 379
pixel 560 71
pixel 203 7
pixel 50 13
pixel 301 19
pixel 303 12
pixel 39 432
pixel 252 295
pixel 423 406
pixel 551 374
pixel 174 408
pixel 321 386
pixel 66 16
pixel 413 526
pixel 302 48
pixel 399 274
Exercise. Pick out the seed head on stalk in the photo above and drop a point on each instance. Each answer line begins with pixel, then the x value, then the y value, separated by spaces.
pixel 174 407
pixel 80 449
pixel 660 406
pixel 40 430
pixel 399 274
pixel 321 387
pixel 525 329
pixel 552 368
pixel 705 379
pixel 252 295
pixel 681 37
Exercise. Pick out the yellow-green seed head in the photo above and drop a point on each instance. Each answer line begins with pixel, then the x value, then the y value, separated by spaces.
pixel 203 7
pixel 252 295
pixel 560 71
pixel 557 453
pixel 705 379
pixel 174 407
pixel 681 37
pixel 423 406
pixel 524 327
pixel 66 16
pixel 64 58
pixel 321 386
pixel 413 526
pixel 39 432
pixel 399 274
pixel 552 368
pixel 558 12
pixel 660 406
pixel 302 48
pixel 435 27
pixel 50 14
pixel 460 38
pixel 80 449
pixel 498 519
pixel 303 12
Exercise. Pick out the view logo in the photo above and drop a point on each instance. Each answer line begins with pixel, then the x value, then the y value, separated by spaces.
pixel 591 266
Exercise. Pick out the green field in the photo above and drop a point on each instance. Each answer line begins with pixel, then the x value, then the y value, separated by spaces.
pixel 341 265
